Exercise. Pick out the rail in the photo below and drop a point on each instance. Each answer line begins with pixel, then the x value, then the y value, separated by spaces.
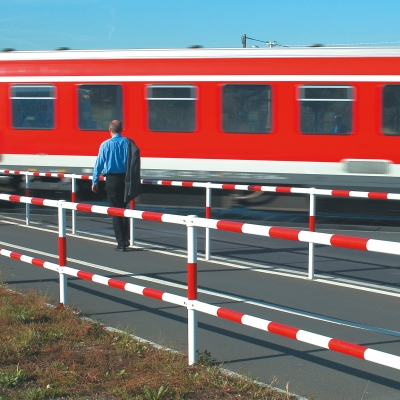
pixel 191 302
pixel 208 186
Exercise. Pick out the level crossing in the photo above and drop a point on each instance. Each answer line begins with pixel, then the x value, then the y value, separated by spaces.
pixel 261 276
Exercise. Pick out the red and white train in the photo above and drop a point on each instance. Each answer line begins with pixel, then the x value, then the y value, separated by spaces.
pixel 290 116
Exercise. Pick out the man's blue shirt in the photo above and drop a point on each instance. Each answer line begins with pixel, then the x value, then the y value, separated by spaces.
pixel 112 157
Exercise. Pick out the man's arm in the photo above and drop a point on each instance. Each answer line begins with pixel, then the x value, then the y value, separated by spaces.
pixel 98 167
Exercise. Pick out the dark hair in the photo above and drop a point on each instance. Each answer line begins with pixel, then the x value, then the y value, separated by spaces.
pixel 115 126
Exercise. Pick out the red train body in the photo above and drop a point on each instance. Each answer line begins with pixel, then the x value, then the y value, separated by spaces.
pixel 234 115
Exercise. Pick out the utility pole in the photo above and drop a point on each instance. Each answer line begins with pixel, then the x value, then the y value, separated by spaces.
pixel 244 40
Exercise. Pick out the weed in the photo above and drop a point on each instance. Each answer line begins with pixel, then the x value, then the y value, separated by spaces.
pixel 155 394
pixel 204 358
pixel 13 378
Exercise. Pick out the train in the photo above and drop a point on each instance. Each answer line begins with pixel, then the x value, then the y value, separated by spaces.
pixel 307 116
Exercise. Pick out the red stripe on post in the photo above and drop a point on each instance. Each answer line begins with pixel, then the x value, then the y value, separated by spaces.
pixel 62 251
pixel 166 183
pixel 349 242
pixel 38 263
pixel 188 184
pixel 378 195
pixel 84 207
pixel 152 216
pixel 230 226
pixel 283 330
pixel 350 349
pixel 118 212
pixel 283 189
pixel 228 186
pixel 115 283
pixel 37 201
pixel 192 281
pixel 36 174
pixel 208 212
pixel 85 275
pixel 284 233
pixel 230 315
pixel 311 223
pixel 155 294
pixel 341 193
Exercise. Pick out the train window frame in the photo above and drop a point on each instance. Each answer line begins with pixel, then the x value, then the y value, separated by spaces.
pixel 151 101
pixel 269 121
pixel 118 114
pixel 387 130
pixel 44 117
pixel 334 117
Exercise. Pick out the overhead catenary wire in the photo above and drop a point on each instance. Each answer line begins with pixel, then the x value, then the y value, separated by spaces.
pixel 276 44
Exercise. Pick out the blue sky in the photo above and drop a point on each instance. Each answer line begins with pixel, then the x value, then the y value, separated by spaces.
pixel 100 24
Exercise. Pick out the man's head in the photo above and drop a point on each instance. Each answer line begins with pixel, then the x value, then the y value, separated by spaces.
pixel 115 127
pixel 338 119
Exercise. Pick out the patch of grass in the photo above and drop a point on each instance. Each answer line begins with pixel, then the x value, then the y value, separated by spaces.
pixel 52 353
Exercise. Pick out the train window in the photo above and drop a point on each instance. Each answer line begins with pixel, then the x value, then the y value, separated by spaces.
pixel 171 108
pixel 32 106
pixel 326 109
pixel 98 105
pixel 246 108
pixel 391 110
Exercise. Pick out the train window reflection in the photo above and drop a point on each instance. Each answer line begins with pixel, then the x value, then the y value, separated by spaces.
pixel 171 108
pixel 246 108
pixel 391 110
pixel 326 109
pixel 98 105
pixel 32 106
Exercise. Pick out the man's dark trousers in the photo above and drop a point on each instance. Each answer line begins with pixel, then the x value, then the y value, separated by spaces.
pixel 115 186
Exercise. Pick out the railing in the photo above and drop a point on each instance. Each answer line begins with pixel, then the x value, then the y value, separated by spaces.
pixel 191 302
pixel 208 186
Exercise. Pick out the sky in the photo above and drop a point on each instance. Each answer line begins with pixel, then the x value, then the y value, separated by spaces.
pixel 122 24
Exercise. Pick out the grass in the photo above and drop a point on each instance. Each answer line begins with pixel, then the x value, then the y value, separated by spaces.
pixel 51 353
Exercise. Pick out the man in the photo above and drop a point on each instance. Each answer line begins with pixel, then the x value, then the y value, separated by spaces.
pixel 119 159
pixel 339 127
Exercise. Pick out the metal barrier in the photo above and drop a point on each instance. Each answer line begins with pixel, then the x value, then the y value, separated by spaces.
pixel 208 186
pixel 191 303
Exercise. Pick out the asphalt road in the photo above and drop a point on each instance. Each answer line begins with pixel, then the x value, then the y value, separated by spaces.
pixel 354 297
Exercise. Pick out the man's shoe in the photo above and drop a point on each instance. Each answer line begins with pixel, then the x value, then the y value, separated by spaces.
pixel 120 248
pixel 127 243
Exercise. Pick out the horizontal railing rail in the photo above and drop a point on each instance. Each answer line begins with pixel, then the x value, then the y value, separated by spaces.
pixel 340 346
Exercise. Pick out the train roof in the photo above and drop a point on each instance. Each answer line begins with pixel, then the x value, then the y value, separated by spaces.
pixel 189 53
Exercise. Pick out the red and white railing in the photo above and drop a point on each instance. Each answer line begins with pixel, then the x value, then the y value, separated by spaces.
pixel 208 186
pixel 191 302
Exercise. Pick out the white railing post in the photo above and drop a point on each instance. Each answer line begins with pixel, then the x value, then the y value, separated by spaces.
pixel 192 289
pixel 208 215
pixel 132 224
pixel 62 252
pixel 73 200
pixel 27 206
pixel 311 228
